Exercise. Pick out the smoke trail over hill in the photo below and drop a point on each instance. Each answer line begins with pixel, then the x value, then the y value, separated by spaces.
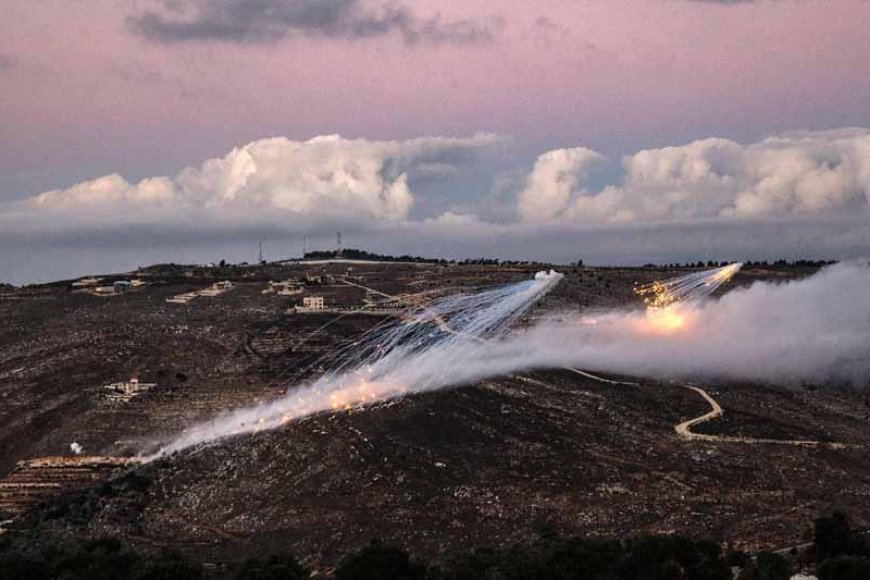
pixel 429 348
pixel 813 330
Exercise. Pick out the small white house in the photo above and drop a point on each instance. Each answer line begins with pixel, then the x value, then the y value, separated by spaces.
pixel 127 390
pixel 312 302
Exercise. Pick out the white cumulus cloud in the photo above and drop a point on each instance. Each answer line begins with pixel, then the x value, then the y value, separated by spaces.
pixel 803 174
pixel 326 176
pixel 558 176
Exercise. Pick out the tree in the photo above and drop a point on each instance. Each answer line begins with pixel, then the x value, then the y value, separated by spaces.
pixel 833 537
pixel 771 566
pixel 844 568
pixel 170 565
pixel 695 560
pixel 272 568
pixel 380 561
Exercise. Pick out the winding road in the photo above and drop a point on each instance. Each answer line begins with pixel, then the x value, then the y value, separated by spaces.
pixel 684 429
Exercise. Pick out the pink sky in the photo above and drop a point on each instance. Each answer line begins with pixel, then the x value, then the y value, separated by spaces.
pixel 82 96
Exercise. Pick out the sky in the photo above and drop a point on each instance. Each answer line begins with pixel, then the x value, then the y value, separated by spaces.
pixel 617 131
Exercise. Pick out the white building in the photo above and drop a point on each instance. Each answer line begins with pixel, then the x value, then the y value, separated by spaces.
pixel 182 298
pixel 217 288
pixel 285 288
pixel 312 302
pixel 127 390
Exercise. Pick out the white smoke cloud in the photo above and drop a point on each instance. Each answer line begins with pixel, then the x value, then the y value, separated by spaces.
pixel 326 176
pixel 797 174
pixel 813 330
pixel 419 353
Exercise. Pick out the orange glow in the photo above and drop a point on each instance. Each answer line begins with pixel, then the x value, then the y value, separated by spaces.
pixel 666 320
pixel 362 393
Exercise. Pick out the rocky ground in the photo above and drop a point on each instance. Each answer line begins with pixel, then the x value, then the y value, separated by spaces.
pixel 490 463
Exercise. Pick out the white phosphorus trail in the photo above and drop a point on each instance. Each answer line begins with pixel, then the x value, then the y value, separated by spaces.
pixel 428 348
pixel 810 330
pixel 688 288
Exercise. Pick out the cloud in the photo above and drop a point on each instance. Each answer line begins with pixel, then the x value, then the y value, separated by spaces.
pixel 264 21
pixel 795 174
pixel 796 195
pixel 325 177
pixel 557 176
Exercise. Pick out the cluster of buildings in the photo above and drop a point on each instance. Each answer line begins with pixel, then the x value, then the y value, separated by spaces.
pixel 374 302
pixel 295 287
pixel 94 286
pixel 291 287
pixel 215 289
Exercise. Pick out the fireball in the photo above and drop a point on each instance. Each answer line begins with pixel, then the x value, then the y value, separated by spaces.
pixel 668 320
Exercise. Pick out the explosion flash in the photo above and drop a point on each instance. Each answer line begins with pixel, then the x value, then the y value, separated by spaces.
pixel 689 288
pixel 670 303
pixel 664 320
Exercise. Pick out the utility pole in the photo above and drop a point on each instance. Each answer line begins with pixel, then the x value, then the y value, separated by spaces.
pixel 304 245
pixel 338 252
pixel 261 251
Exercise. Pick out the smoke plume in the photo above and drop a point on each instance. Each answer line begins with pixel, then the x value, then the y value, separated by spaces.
pixel 813 330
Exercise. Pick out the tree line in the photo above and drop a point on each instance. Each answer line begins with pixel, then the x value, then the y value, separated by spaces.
pixel 838 553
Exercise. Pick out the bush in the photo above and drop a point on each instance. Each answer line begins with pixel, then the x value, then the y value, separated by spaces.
pixel 379 561
pixel 772 567
pixel 272 568
pixel 582 558
pixel 844 568
pixel 505 564
pixel 833 537
pixel 170 565
pixel 645 558
pixel 654 557
pixel 103 559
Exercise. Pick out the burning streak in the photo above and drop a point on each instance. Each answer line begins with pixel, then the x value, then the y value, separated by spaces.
pixel 670 303
pixel 814 329
pixel 689 288
pixel 429 348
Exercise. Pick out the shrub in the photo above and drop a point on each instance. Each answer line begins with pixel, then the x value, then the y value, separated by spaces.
pixel 772 567
pixel 379 561
pixel 272 568
pixel 833 537
pixel 653 557
pixel 102 559
pixel 844 568
pixel 170 565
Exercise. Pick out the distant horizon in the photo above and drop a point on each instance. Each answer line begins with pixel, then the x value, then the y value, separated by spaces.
pixel 131 270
